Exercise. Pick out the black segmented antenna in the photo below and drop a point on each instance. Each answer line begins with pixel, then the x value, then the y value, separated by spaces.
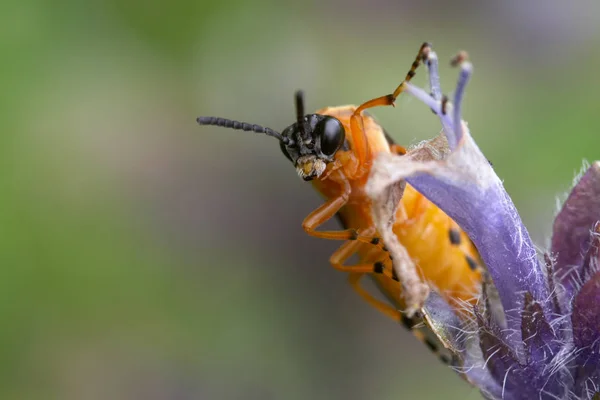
pixel 244 126
pixel 299 106
pixel 300 113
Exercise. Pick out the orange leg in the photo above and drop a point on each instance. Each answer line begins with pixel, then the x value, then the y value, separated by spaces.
pixel 359 139
pixel 386 309
pixel 397 149
pixel 348 249
pixel 415 324
pixel 327 210
pixel 321 215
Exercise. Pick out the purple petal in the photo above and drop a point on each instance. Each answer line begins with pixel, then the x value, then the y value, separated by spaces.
pixel 499 356
pixel 557 298
pixel 519 380
pixel 586 315
pixel 587 380
pixel 571 237
pixel 450 330
pixel 481 378
pixel 515 380
pixel 586 337
pixel 538 336
pixel 591 261
pixel 465 187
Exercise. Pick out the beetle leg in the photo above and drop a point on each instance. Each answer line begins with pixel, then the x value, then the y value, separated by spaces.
pixel 397 149
pixel 386 309
pixel 348 249
pixel 414 324
pixel 359 139
pixel 327 210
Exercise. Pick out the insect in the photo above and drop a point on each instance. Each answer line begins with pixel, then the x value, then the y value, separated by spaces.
pixel 334 149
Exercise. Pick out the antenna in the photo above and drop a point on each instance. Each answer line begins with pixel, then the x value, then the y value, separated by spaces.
pixel 299 106
pixel 244 126
pixel 300 114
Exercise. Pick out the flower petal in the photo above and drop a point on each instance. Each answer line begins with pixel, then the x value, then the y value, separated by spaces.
pixel 591 261
pixel 464 186
pixel 587 379
pixel 538 336
pixel 586 315
pixel 500 361
pixel 586 336
pixel 519 380
pixel 571 237
pixel 452 331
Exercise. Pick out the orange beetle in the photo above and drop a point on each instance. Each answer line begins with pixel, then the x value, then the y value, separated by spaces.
pixel 334 149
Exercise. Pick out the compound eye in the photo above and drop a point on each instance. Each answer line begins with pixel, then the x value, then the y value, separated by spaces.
pixel 332 134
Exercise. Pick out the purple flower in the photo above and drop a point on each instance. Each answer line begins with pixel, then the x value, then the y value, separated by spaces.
pixel 535 332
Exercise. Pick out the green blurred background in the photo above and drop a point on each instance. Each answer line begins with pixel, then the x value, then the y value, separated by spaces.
pixel 144 257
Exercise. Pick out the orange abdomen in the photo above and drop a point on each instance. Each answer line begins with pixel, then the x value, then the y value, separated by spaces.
pixel 425 231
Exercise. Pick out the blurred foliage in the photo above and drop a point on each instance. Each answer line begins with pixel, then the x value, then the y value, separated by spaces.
pixel 145 257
